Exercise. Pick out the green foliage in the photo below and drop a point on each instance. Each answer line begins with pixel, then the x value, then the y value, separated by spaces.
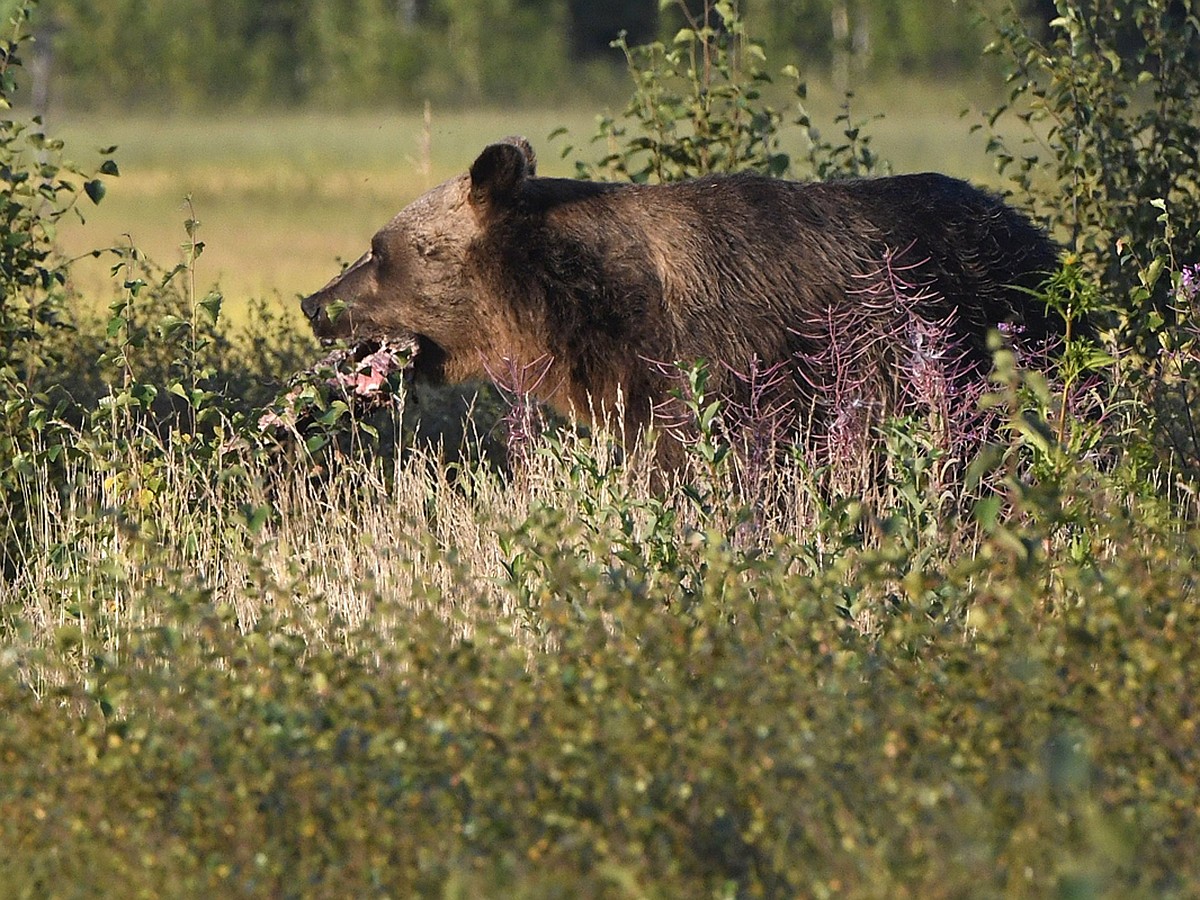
pixel 200 52
pixel 505 50
pixel 695 106
pixel 884 36
pixel 698 108
pixel 195 53
pixel 1112 152
pixel 37 189
pixel 232 666
pixel 1110 99
pixel 77 395
pixel 705 721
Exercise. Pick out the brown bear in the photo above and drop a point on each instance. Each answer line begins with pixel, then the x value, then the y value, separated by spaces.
pixel 601 287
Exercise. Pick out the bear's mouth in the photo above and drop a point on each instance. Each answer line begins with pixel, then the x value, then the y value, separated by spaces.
pixel 361 375
pixel 363 368
pixel 419 357
pixel 429 360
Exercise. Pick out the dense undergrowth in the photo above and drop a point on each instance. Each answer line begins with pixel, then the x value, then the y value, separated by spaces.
pixel 955 656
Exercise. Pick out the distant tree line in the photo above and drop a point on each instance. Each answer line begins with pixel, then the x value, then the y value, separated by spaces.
pixel 358 52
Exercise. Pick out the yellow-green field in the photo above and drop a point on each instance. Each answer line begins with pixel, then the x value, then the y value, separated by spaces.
pixel 281 197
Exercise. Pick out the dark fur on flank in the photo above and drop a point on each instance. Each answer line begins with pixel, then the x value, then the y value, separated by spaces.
pixel 499 267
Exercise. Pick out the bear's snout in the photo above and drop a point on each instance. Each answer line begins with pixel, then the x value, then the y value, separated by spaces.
pixel 311 307
pixel 314 309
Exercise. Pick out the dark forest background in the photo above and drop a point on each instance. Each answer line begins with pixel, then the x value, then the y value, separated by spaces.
pixel 253 53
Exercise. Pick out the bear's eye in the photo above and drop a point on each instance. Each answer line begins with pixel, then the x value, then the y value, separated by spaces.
pixel 431 246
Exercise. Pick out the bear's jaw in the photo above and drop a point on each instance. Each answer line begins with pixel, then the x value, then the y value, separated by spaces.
pixel 429 359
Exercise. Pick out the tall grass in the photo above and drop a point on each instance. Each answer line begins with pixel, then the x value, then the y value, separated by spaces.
pixel 252 675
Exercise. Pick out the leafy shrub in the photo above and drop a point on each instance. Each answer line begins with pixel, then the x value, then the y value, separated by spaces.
pixel 698 108
pixel 37 189
pixel 1110 98
pixel 630 702
pixel 1110 150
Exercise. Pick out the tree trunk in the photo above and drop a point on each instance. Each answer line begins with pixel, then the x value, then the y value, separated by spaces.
pixel 41 65
pixel 841 46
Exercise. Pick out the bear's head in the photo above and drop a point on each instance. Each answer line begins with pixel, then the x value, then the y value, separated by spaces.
pixel 417 284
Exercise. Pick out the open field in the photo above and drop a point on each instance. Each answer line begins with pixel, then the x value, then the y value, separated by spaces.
pixel 281 197
pixel 268 641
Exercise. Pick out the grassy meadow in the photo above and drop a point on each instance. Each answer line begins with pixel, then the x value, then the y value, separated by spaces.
pixel 259 639
pixel 281 197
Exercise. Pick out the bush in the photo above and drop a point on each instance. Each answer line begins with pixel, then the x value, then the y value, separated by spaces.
pixel 605 696
pixel 698 108
pixel 1110 152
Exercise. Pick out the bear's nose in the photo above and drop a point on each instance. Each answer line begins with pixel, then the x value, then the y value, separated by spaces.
pixel 311 307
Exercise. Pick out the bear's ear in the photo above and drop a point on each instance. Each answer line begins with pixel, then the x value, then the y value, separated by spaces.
pixel 497 174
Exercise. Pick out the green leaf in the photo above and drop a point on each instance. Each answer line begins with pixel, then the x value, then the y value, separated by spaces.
pixel 1153 273
pixel 211 305
pixel 109 167
pixel 95 190
pixel 144 394
pixel 68 636
pixel 336 410
pixel 987 513
pixel 115 324
pixel 170 326
pixel 256 517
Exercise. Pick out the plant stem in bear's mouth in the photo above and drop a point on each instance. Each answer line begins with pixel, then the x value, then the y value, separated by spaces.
pixel 359 374
pixel 378 354
pixel 355 353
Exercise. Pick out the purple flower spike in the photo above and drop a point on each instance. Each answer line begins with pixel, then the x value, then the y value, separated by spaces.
pixel 1189 282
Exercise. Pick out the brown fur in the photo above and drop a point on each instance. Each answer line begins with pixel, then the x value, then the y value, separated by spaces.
pixel 498 269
